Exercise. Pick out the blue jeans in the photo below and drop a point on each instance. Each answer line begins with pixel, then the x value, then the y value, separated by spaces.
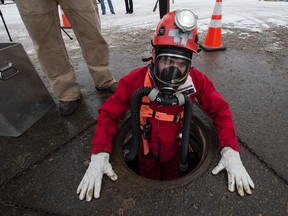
pixel 103 8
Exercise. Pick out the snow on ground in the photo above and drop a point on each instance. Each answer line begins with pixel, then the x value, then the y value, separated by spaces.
pixel 253 15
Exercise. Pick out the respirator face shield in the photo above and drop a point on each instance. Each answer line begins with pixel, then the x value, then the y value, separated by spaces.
pixel 171 71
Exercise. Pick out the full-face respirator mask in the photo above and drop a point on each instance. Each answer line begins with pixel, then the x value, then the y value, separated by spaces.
pixel 171 69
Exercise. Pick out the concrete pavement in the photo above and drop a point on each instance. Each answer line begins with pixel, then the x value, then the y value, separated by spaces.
pixel 41 169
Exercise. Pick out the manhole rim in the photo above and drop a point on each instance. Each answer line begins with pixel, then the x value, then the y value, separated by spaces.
pixel 201 120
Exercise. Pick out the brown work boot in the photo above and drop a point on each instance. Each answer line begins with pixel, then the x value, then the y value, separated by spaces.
pixel 112 88
pixel 67 107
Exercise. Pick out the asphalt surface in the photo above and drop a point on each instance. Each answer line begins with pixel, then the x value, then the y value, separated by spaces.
pixel 41 169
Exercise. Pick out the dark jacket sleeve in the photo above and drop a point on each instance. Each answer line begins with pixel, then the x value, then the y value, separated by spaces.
pixel 217 108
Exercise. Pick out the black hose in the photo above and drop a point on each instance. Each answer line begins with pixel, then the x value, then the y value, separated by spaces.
pixel 186 133
pixel 135 122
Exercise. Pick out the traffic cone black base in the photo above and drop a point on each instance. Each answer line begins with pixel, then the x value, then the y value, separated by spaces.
pixel 209 49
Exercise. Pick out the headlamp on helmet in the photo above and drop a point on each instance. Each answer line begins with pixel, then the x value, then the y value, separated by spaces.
pixel 185 20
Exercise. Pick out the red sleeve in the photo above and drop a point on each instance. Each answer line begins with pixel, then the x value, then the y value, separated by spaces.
pixel 115 108
pixel 217 108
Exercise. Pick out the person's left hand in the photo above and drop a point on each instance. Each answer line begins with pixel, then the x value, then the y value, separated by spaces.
pixel 236 171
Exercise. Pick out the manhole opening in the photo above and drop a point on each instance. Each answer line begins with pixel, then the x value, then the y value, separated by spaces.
pixel 198 160
pixel 194 156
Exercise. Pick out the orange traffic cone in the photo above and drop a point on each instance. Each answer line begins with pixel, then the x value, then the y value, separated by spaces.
pixel 213 39
pixel 65 22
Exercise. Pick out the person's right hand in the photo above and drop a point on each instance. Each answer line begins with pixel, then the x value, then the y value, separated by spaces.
pixel 92 179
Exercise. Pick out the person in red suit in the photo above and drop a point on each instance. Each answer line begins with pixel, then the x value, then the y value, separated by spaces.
pixel 169 74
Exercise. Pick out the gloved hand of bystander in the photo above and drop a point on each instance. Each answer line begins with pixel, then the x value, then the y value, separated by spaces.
pixel 92 179
pixel 236 171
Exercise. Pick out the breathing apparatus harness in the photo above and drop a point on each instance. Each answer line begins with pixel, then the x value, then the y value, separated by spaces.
pixel 140 111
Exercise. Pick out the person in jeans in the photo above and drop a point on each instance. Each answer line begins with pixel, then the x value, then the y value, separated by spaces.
pixel 41 19
pixel 103 8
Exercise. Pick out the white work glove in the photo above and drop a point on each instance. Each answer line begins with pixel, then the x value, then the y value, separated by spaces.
pixel 236 171
pixel 92 179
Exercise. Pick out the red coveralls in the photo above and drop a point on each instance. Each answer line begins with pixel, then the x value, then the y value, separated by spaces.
pixel 164 141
